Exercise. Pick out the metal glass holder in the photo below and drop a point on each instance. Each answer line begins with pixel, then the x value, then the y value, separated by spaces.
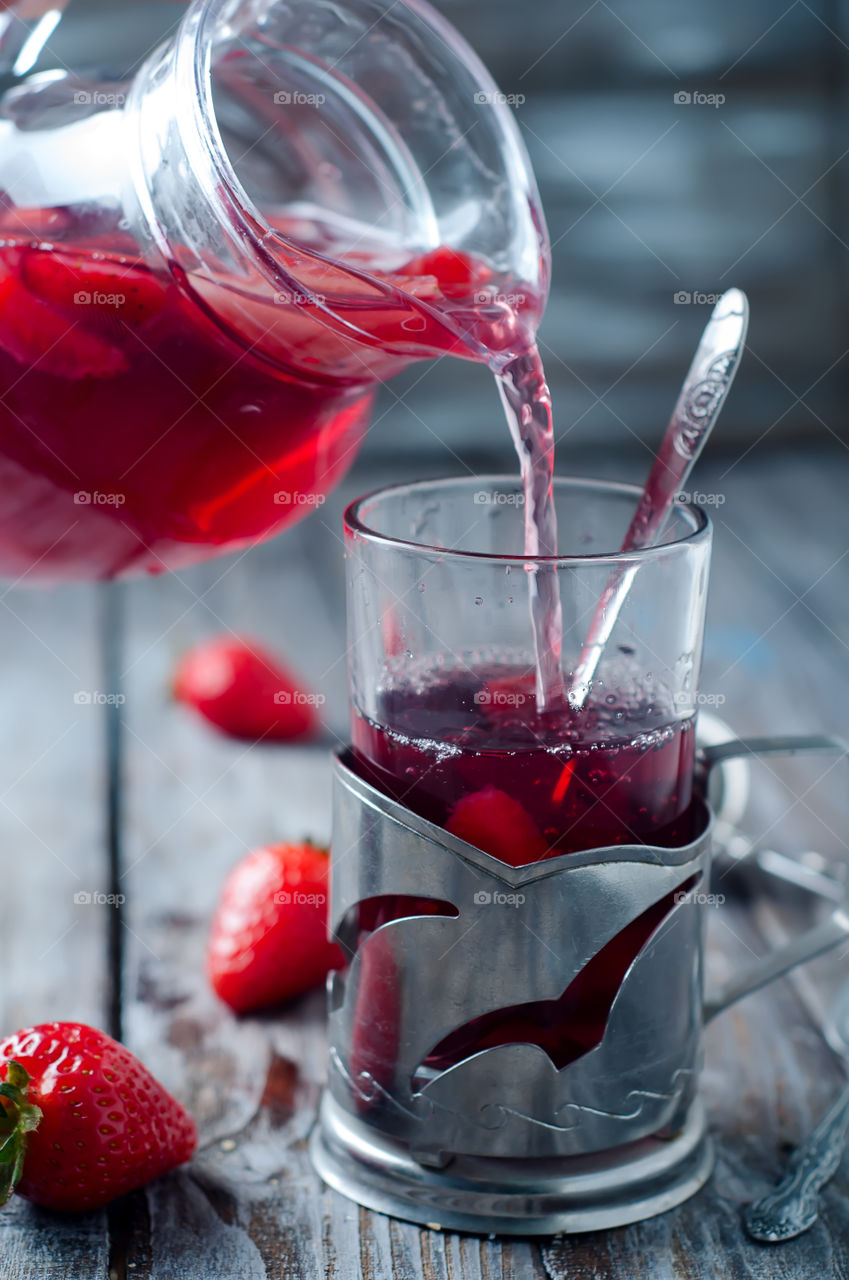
pixel 501 1138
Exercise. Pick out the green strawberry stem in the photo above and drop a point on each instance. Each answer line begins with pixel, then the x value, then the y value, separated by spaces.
pixel 18 1119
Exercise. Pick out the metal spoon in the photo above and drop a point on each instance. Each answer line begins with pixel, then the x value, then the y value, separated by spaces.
pixel 793 1206
pixel 700 400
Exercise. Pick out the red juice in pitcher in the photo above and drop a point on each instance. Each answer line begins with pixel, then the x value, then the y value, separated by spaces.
pixel 132 434
pixel 147 421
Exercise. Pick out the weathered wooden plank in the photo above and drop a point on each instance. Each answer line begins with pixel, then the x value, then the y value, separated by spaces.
pixel 37 1245
pixel 250 1204
pixel 52 847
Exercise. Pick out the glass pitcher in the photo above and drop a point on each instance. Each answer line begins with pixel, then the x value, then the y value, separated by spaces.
pixel 206 270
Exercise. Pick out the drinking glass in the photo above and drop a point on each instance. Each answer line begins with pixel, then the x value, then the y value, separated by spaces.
pixel 442 667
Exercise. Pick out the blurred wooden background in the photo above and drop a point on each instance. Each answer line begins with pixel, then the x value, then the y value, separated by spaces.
pixel 648 199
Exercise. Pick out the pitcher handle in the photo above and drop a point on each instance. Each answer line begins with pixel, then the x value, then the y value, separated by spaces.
pixel 814 941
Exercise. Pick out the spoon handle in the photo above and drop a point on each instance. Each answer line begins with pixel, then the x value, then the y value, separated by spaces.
pixel 794 1204
pixel 698 406
pixel 701 398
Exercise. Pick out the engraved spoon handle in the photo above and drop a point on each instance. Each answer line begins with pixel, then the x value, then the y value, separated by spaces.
pixel 696 410
pixel 794 1204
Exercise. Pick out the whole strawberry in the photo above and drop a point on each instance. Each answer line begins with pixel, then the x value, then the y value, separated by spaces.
pixel 83 1120
pixel 495 822
pixel 268 941
pixel 245 691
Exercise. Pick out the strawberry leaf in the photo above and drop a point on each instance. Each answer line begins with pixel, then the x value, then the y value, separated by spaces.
pixel 21 1118
pixel 17 1075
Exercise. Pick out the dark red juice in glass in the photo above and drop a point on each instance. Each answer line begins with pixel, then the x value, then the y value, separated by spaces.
pixel 467 749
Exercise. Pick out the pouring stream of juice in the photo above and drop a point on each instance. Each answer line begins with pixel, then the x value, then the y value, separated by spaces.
pixel 527 404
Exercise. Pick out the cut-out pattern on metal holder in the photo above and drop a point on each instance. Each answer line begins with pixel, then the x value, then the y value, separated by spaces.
pixel 565 1028
pixel 548 1010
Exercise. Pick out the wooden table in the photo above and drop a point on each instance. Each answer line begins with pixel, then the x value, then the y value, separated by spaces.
pixel 191 803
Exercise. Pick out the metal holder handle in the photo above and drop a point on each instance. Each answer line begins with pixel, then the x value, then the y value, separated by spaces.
pixel 814 941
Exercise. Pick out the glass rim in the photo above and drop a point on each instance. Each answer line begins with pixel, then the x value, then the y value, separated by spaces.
pixel 232 203
pixel 355 524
